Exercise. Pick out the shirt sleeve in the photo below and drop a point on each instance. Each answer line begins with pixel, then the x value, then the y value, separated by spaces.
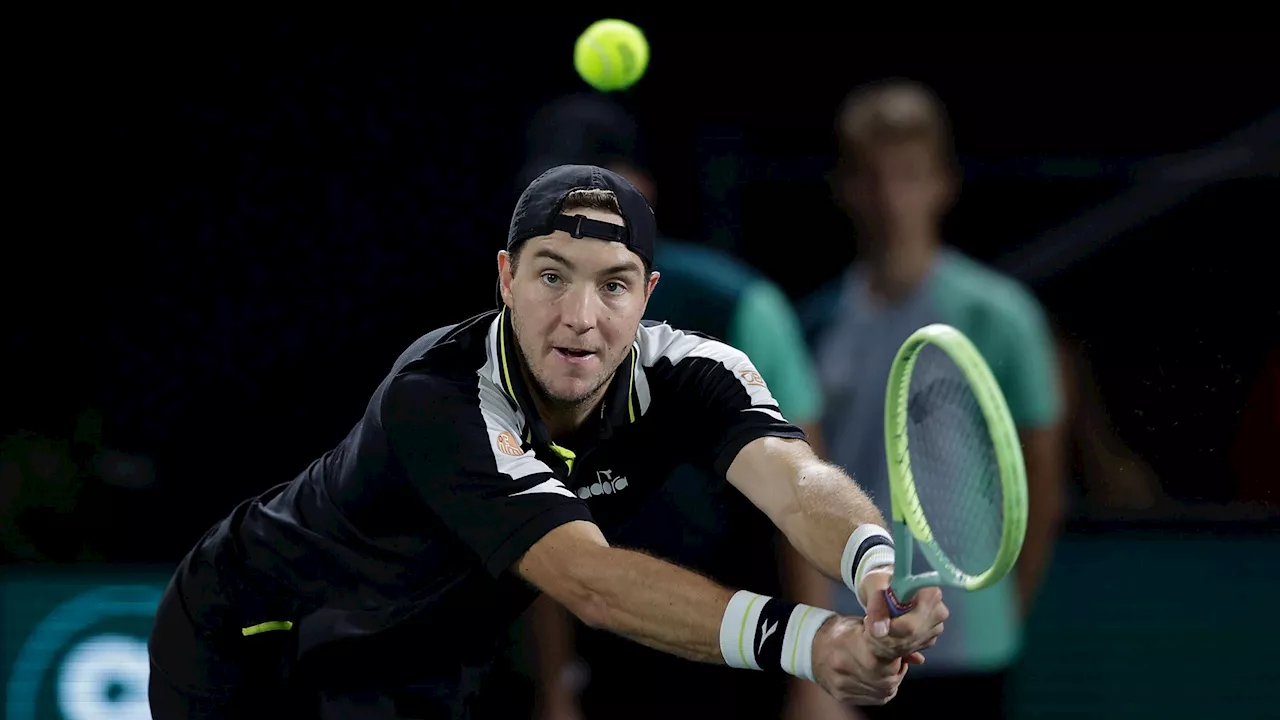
pixel 1025 363
pixel 766 329
pixel 460 447
pixel 721 401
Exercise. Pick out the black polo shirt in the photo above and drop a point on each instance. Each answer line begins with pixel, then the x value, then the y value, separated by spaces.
pixel 392 553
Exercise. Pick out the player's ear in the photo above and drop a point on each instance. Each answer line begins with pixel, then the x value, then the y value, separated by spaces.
pixel 651 284
pixel 506 271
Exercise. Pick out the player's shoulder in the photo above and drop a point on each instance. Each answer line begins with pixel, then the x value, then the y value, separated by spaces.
pixel 452 362
pixel 660 343
pixel 448 349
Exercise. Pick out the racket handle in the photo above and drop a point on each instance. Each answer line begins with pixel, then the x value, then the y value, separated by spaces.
pixel 896 607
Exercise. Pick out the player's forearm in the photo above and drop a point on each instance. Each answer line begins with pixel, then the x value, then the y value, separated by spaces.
pixel 652 602
pixel 669 608
pixel 822 511
pixel 828 507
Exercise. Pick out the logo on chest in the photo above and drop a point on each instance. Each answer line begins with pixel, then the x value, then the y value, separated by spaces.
pixel 606 484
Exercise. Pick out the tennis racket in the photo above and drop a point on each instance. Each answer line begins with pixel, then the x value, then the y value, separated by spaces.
pixel 957 481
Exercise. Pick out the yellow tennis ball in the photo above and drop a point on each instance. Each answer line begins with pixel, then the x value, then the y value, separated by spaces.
pixel 611 55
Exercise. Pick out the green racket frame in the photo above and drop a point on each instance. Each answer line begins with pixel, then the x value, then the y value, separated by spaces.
pixel 909 522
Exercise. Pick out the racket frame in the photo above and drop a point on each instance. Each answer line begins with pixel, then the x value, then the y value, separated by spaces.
pixel 909 522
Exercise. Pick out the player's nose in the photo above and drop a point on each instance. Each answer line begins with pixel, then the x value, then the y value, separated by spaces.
pixel 579 309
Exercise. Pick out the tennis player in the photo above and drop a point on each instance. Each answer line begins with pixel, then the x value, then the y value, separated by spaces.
pixel 492 463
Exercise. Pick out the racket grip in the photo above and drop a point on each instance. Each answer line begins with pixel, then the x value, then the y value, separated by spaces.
pixel 897 608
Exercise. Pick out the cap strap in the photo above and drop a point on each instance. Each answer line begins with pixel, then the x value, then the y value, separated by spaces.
pixel 583 226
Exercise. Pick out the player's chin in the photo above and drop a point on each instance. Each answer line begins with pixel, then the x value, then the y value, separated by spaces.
pixel 571 390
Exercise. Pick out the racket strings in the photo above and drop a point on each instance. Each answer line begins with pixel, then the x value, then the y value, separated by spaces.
pixel 954 464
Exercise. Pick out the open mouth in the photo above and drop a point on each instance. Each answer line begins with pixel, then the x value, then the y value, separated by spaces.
pixel 573 353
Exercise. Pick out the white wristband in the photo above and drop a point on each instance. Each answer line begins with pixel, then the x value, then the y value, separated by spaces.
pixel 758 632
pixel 869 547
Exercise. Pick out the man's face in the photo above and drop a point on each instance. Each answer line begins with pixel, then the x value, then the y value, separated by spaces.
pixel 576 305
pixel 898 189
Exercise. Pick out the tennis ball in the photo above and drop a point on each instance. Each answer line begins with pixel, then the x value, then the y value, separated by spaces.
pixel 611 55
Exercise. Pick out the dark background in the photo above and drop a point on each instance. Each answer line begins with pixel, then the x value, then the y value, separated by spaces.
pixel 223 234
pixel 238 230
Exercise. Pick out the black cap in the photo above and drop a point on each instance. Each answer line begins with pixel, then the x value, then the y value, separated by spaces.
pixel 538 212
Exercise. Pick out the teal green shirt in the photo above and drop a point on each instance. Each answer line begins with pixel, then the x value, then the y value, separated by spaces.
pixel 711 292
pixel 855 341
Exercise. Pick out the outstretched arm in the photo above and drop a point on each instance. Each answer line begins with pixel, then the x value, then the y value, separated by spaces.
pixel 823 513
pixel 648 600
pixel 814 503
pixel 680 612
pixel 837 528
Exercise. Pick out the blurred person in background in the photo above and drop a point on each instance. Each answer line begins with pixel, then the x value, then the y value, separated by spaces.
pixel 696 521
pixel 897 178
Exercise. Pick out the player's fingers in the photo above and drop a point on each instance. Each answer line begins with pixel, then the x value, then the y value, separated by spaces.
pixel 877 693
pixel 929 603
pixel 888 669
pixel 912 627
pixel 922 621
pixel 923 641
pixel 889 686
pixel 877 618
pixel 914 658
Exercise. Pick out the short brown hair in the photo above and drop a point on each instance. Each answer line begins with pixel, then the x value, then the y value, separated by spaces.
pixel 893 111
pixel 591 199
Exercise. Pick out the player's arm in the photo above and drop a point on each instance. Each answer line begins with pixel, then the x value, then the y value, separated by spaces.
pixel 734 419
pixel 766 329
pixel 643 598
pixel 833 523
pixel 814 503
pixel 677 611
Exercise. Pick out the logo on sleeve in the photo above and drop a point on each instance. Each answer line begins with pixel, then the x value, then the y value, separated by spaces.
pixel 751 377
pixel 508 444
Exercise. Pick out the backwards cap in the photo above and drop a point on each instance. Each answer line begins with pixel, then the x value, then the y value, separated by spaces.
pixel 539 210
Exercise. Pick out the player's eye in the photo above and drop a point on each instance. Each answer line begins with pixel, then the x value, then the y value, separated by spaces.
pixel 550 278
pixel 613 287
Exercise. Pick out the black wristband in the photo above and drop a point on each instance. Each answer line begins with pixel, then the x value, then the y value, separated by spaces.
pixel 867 544
pixel 758 632
pixel 771 627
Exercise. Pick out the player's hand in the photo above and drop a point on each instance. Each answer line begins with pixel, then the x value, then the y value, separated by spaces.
pixel 846 666
pixel 910 633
